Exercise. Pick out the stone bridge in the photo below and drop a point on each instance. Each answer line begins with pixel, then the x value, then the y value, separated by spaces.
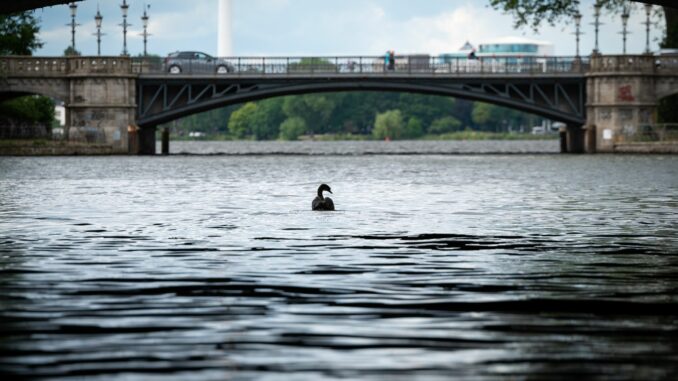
pixel 108 97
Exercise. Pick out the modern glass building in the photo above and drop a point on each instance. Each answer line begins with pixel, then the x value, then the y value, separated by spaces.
pixel 515 46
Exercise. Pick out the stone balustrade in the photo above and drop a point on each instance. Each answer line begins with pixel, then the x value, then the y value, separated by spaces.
pixel 622 63
pixel 26 66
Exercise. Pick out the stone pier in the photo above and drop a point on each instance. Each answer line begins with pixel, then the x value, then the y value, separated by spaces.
pixel 98 93
pixel 623 94
pixel 101 104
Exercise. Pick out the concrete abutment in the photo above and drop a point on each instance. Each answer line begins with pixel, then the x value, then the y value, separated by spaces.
pixel 621 97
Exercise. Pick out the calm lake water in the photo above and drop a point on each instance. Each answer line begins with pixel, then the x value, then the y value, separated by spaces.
pixel 435 267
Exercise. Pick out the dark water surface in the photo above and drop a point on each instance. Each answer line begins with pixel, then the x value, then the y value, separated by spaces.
pixel 507 267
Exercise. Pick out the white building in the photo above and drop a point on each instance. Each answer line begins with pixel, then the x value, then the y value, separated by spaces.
pixel 515 46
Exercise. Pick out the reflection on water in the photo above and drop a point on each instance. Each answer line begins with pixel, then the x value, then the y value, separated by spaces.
pixel 434 267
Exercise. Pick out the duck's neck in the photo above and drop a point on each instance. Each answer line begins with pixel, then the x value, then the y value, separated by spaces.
pixel 320 194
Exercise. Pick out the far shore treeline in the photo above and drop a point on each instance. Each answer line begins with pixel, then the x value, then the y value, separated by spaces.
pixel 355 115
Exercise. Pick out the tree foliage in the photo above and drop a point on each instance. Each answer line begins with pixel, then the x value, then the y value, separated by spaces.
pixel 292 128
pixel 18 34
pixel 413 129
pixel 241 121
pixel 533 12
pixel 32 108
pixel 349 113
pixel 267 118
pixel 388 125
pixel 314 109
pixel 70 52
pixel 444 125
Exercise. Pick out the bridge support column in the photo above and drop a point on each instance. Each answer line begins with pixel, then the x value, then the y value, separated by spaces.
pixel 101 104
pixel 590 139
pixel 165 141
pixel 621 98
pixel 146 138
pixel 572 139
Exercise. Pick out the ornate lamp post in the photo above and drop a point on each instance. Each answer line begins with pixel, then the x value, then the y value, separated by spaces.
pixel 74 11
pixel 144 20
pixel 98 19
pixel 625 32
pixel 596 23
pixel 124 8
pixel 577 33
pixel 648 15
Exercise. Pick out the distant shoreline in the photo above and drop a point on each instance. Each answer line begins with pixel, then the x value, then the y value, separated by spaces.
pixel 457 136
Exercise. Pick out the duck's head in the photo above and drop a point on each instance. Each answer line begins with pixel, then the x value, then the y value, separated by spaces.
pixel 322 188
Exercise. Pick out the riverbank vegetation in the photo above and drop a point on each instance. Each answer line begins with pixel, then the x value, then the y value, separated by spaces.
pixel 19 36
pixel 357 116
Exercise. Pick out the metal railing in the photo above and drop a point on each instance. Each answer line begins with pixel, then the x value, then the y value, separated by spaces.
pixel 651 133
pixel 363 65
pixel 422 65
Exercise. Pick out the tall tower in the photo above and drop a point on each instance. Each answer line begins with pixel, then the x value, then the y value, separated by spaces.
pixel 225 48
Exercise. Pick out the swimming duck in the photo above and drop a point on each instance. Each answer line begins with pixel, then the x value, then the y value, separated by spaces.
pixel 323 203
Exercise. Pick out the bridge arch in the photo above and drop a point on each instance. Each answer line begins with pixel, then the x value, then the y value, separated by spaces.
pixel 557 99
pixel 56 89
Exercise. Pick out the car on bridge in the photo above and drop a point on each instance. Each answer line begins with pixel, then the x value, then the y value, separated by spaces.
pixel 196 62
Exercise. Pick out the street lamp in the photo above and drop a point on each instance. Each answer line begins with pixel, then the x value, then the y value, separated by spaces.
pixel 577 33
pixel 144 20
pixel 74 11
pixel 648 14
pixel 124 8
pixel 98 19
pixel 625 22
pixel 596 23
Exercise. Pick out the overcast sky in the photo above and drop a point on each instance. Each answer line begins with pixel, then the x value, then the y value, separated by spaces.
pixel 321 27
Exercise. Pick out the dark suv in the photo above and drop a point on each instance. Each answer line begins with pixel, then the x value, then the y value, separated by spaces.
pixel 196 62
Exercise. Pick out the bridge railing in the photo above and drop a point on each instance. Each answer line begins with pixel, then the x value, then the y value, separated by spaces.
pixel 363 65
pixel 667 64
pixel 59 66
pixel 34 66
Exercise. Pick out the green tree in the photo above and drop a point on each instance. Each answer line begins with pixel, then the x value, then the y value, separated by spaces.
pixel 33 108
pixel 292 128
pixel 413 129
pixel 388 125
pixel 18 34
pixel 426 108
pixel 482 113
pixel 314 109
pixel 534 12
pixel 241 121
pixel 444 125
pixel 267 119
pixel 71 52
pixel 488 117
pixel 312 64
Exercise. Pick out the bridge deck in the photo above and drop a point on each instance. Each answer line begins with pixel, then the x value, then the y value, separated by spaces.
pixel 416 65
pixel 355 67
